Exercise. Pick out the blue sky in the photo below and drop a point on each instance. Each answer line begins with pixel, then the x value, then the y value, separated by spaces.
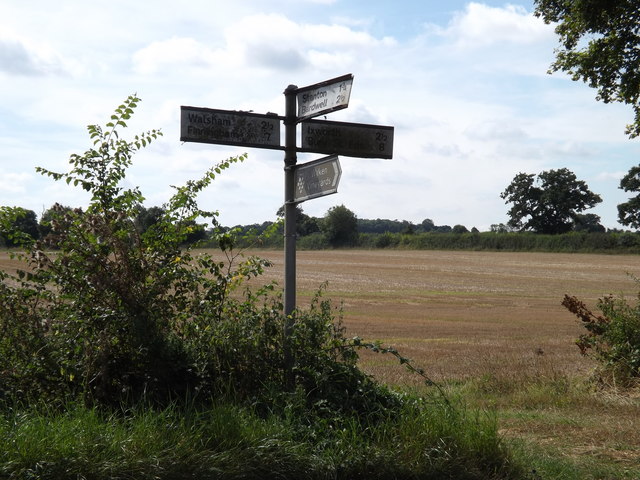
pixel 463 83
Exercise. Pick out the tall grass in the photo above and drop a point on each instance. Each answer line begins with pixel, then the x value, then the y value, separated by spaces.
pixel 558 426
pixel 173 443
pixel 426 440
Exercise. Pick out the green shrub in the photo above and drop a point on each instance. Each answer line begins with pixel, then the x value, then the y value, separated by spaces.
pixel 613 338
pixel 386 240
pixel 313 241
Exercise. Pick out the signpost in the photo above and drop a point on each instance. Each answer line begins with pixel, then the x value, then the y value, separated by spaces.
pixel 228 127
pixel 317 179
pixel 350 139
pixel 301 182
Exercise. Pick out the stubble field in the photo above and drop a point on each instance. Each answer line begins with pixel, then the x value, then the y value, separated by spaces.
pixel 463 314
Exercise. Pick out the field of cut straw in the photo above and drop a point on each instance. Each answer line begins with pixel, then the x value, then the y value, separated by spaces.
pixel 464 314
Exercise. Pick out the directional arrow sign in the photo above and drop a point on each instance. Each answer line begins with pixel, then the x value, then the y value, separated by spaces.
pixel 324 97
pixel 317 178
pixel 350 139
pixel 229 127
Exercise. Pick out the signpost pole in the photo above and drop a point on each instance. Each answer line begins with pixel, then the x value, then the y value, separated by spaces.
pixel 290 160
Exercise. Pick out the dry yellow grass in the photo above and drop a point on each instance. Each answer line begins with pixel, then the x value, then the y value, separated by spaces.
pixel 464 314
pixel 460 314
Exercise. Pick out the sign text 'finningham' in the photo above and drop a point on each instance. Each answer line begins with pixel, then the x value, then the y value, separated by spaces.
pixel 228 127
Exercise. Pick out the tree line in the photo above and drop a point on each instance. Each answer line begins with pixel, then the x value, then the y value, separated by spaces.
pixel 551 203
pixel 341 228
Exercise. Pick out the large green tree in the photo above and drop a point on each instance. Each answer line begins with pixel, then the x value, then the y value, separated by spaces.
pixel 18 225
pixel 305 225
pixel 147 217
pixel 600 45
pixel 48 219
pixel 340 226
pixel 550 204
pixel 629 211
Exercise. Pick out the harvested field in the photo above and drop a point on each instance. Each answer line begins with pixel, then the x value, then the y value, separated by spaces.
pixel 491 323
pixel 463 314
pixel 459 314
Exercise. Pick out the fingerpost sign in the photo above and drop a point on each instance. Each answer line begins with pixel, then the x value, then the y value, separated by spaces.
pixel 324 97
pixel 301 182
pixel 317 179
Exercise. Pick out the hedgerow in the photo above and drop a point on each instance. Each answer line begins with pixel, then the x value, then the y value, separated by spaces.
pixel 612 338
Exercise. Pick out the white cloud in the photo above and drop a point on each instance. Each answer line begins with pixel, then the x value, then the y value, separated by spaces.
pixel 480 25
pixel 277 42
pixel 497 130
pixel 14 183
pixel 270 41
pixel 173 53
pixel 21 56
pixel 608 176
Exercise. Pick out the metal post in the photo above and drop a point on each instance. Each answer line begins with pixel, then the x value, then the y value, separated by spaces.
pixel 289 206
pixel 290 160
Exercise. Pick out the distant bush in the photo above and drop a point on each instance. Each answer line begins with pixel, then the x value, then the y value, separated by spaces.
pixel 573 242
pixel 314 241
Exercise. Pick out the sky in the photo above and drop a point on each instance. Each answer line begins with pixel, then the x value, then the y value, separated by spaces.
pixel 464 84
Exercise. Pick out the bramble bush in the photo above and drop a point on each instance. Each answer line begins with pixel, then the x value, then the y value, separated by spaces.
pixel 114 316
pixel 612 338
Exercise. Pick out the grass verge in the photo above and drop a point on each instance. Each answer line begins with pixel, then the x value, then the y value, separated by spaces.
pixel 561 427
pixel 428 439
